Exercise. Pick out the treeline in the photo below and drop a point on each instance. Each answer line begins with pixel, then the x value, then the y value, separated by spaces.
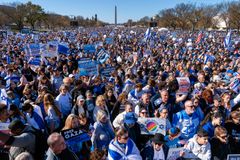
pixel 34 16
pixel 188 16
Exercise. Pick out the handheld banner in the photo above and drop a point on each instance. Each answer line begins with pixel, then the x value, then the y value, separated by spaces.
pixel 184 85
pixel 151 126
pixel 74 138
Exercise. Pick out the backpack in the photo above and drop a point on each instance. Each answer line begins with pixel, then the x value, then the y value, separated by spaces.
pixel 40 144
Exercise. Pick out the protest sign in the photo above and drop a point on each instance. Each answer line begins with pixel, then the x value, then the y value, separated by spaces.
pixel 88 67
pixel 106 71
pixel 102 56
pixel 184 85
pixel 173 153
pixel 233 157
pixel 74 138
pixel 88 48
pixel 32 50
pixel 50 50
pixel 235 85
pixel 109 40
pixel 63 48
pixel 151 126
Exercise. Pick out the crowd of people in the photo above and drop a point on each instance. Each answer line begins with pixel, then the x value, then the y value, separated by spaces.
pixel 39 103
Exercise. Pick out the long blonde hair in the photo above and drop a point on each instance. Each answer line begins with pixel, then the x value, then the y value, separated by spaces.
pixel 48 101
pixel 69 120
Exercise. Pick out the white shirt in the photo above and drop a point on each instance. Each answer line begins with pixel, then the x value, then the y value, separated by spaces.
pixel 159 155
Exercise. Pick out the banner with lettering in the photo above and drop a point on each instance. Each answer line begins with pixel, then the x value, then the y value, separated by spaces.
pixel 184 85
pixel 74 138
pixel 88 67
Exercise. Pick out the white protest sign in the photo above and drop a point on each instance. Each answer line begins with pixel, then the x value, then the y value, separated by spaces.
pixel 173 153
pixel 184 85
pixel 150 126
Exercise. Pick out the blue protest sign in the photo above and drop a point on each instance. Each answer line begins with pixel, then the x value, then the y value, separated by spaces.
pixel 74 138
pixel 63 48
pixel 109 40
pixel 32 50
pixel 106 71
pixel 88 48
pixel 88 67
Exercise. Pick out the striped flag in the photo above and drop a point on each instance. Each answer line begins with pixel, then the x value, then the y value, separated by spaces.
pixel 227 39
pixel 199 37
pixel 147 34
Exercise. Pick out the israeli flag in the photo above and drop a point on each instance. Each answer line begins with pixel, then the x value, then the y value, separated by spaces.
pixel 147 34
pixel 3 97
pixel 227 39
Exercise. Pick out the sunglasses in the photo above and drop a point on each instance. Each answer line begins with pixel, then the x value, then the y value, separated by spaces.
pixel 159 144
pixel 224 136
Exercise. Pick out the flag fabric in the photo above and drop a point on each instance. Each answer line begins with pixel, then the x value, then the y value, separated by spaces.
pixel 227 39
pixel 147 34
pixel 3 97
pixel 199 37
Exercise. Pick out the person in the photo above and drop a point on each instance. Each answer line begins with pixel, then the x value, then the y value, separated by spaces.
pixel 233 128
pixel 64 101
pixel 14 113
pixel 198 147
pixel 103 132
pixel 228 103
pixel 83 149
pixel 155 149
pixel 172 138
pixel 220 145
pixel 123 147
pixel 72 121
pixel 98 155
pixel 190 118
pixel 135 94
pixel 110 98
pixel 163 114
pixel 118 121
pixel 145 103
pixel 119 106
pixel 24 156
pixel 57 148
pixel 34 116
pixel 4 115
pixel 80 106
pixel 53 114
pixel 133 127
pixel 211 121
pixel 100 105
pixel 20 139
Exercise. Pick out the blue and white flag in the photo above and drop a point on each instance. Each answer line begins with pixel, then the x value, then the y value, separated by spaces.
pixel 147 34
pixel 102 56
pixel 63 48
pixel 3 97
pixel 227 40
